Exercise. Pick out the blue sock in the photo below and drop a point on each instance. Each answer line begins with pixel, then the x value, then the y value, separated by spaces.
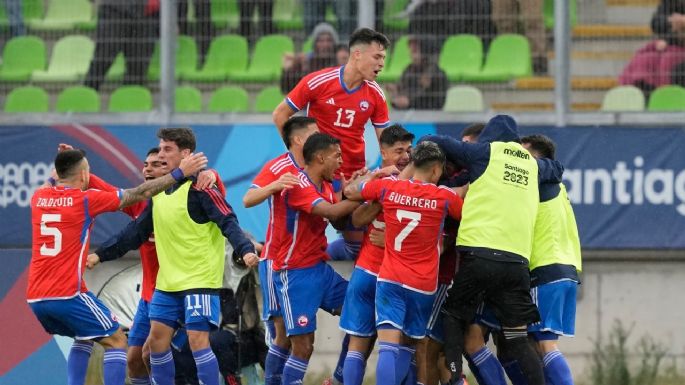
pixel 556 368
pixel 273 365
pixel 353 370
pixel 114 367
pixel 474 369
pixel 77 363
pixel 162 367
pixel 207 366
pixel 405 355
pixel 513 370
pixel 294 371
pixel 140 381
pixel 410 378
pixel 489 367
pixel 338 373
pixel 387 359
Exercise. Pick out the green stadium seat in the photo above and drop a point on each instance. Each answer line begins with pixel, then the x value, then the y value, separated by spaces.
pixel 229 99
pixel 266 63
pixel 509 57
pixel 20 57
pixel 188 99
pixel 267 99
pixel 66 15
pixel 227 54
pixel 623 98
pixel 400 58
pixel 32 10
pixel 117 69
pixel 667 98
pixel 548 13
pixel 287 15
pixel 4 21
pixel 78 99
pixel 464 99
pixel 186 58
pixel 71 57
pixel 225 13
pixel 461 54
pixel 130 99
pixel 27 99
pixel 390 19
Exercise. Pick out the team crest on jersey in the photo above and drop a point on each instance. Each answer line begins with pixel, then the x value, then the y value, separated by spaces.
pixel 303 321
pixel 364 105
pixel 114 318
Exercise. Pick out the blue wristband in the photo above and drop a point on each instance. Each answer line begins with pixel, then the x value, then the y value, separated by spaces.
pixel 177 174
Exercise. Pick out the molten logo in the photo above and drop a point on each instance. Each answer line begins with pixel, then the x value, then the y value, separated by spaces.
pixel 517 153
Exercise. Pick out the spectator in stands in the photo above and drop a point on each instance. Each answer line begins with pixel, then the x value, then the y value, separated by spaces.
pixel 265 26
pixel 128 26
pixel 342 54
pixel 345 11
pixel 423 84
pixel 15 17
pixel 654 64
pixel 506 14
pixel 295 66
pixel 203 31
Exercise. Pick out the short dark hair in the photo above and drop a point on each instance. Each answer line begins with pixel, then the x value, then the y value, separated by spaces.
pixel 67 162
pixel 293 124
pixel 182 136
pixel 426 153
pixel 541 144
pixel 474 129
pixel 316 143
pixel 395 133
pixel 368 36
pixel 153 150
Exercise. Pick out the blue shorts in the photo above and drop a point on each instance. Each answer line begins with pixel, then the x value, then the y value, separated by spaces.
pixel 301 292
pixel 195 311
pixel 180 339
pixel 556 302
pixel 270 307
pixel 403 309
pixel 434 329
pixel 141 324
pixel 83 317
pixel 359 310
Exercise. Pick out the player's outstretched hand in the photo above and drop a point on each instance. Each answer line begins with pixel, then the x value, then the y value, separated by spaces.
pixel 251 259
pixel 194 163
pixel 377 237
pixel 205 179
pixel 64 147
pixel 286 181
pixel 92 260
pixel 389 170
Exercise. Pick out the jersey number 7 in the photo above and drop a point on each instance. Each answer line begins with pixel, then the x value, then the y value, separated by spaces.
pixel 414 219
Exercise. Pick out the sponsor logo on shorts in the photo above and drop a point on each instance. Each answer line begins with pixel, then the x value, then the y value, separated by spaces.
pixel 302 321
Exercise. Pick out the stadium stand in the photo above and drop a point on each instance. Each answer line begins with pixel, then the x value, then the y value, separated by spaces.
pixel 267 99
pixel 464 99
pixel 265 64
pixel 229 99
pixel 66 15
pixel 188 99
pixel 186 59
pixel 130 99
pixel 228 54
pixel 667 98
pixel 78 99
pixel 27 99
pixel 69 62
pixel 623 98
pixel 460 55
pixel 399 59
pixel 21 56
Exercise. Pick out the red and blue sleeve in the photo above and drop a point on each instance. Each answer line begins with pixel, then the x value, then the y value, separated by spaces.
pixel 102 201
pixel 264 178
pixel 303 198
pixel 380 117
pixel 300 96
pixel 372 190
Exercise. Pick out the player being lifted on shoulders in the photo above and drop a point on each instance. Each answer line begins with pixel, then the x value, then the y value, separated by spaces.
pixel 414 212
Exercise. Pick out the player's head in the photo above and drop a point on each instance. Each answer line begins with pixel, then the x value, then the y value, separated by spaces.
pixel 72 168
pixel 471 133
pixel 367 52
pixel 429 161
pixel 540 146
pixel 322 155
pixel 175 144
pixel 152 166
pixel 297 130
pixel 395 144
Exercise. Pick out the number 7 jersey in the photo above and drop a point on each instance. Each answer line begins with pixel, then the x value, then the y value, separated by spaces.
pixel 341 112
pixel 61 220
pixel 414 214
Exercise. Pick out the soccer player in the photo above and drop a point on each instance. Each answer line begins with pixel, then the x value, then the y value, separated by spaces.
pixel 304 282
pixel 555 262
pixel 277 175
pixel 358 314
pixel 414 212
pixel 62 217
pixel 189 226
pixel 503 198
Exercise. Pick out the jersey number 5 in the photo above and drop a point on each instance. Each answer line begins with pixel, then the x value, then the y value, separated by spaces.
pixel 349 118
pixel 414 219
pixel 50 232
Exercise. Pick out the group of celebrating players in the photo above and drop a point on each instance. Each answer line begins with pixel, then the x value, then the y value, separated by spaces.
pixel 448 236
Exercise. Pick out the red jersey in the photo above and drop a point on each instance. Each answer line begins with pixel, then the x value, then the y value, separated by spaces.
pixel 148 252
pixel 371 256
pixel 61 219
pixel 414 217
pixel 271 171
pixel 448 259
pixel 340 112
pixel 303 235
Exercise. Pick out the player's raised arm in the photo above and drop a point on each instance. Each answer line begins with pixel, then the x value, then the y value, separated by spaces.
pixel 257 195
pixel 366 214
pixel 549 171
pixel 189 166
